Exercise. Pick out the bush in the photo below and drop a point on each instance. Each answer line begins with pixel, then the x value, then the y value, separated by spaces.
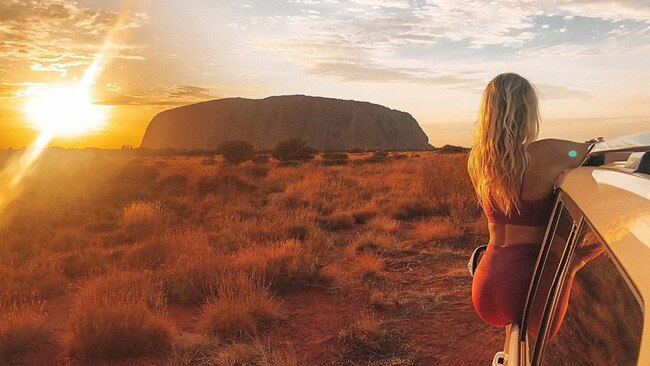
pixel 22 332
pixel 261 159
pixel 208 161
pixel 447 189
pixel 120 315
pixel 236 152
pixel 119 331
pixel 339 221
pixel 366 341
pixel 335 156
pixel 378 156
pixel 239 354
pixel 242 309
pixel 293 150
pixel 225 183
pixel 452 149
pixel 141 219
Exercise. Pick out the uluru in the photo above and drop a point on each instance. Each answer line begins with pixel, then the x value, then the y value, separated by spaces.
pixel 324 123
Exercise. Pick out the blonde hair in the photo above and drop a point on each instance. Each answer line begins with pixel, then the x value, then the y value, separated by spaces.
pixel 508 122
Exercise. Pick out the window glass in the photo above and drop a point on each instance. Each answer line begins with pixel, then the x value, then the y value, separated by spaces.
pixel 563 227
pixel 597 319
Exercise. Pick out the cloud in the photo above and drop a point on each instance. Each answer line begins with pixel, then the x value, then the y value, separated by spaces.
pixel 549 92
pixel 364 40
pixel 163 96
pixel 56 35
pixel 371 73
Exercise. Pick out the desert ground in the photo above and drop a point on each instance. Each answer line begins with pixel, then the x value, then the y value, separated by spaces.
pixel 130 258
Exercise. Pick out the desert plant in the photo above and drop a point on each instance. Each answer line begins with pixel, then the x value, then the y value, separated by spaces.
pixel 334 158
pixel 447 189
pixel 208 161
pixel 242 309
pixel 338 221
pixel 378 156
pixel 236 151
pixel 293 150
pixel 367 340
pixel 120 315
pixel 261 159
pixel 239 354
pixel 23 331
pixel 119 331
pixel 141 219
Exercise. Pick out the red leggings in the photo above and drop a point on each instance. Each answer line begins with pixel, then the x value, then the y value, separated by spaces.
pixel 501 281
pixel 501 284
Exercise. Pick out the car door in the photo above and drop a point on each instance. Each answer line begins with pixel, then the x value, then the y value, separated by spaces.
pixel 581 308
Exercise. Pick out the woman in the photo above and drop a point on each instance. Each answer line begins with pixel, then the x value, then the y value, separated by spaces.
pixel 513 175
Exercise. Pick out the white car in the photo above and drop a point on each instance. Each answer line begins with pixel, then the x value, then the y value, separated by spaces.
pixel 603 208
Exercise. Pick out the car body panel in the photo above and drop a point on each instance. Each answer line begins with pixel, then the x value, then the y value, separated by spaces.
pixel 617 204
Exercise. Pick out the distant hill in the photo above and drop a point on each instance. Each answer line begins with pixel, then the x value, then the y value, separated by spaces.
pixel 324 123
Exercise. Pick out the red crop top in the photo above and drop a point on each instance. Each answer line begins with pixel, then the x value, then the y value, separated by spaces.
pixel 533 213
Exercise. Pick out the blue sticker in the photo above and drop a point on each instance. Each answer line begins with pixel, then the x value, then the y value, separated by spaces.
pixel 573 153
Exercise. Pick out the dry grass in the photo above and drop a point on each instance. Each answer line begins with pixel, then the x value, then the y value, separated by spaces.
pixel 141 237
pixel 368 340
pixel 255 354
pixel 242 309
pixel 142 219
pixel 120 315
pixel 23 331
pixel 367 266
pixel 119 331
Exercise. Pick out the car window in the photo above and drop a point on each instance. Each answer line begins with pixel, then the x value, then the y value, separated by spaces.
pixel 597 319
pixel 560 233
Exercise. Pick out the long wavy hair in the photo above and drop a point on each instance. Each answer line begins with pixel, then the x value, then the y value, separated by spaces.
pixel 507 123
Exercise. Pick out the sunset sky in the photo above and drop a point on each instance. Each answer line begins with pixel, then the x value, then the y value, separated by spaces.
pixel 428 58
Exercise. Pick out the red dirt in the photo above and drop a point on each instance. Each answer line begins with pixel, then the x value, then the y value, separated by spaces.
pixel 449 332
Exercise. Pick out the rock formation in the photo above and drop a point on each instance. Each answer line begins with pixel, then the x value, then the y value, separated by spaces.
pixel 324 123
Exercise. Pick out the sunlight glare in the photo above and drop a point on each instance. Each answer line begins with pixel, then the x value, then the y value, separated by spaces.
pixel 64 110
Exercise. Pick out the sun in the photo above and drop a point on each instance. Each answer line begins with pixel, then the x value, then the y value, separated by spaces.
pixel 64 110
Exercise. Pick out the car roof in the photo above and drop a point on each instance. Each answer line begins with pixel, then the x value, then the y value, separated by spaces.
pixel 616 202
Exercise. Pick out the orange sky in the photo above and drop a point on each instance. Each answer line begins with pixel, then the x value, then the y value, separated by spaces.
pixel 428 58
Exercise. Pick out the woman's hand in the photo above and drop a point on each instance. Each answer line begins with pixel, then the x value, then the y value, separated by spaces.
pixel 587 249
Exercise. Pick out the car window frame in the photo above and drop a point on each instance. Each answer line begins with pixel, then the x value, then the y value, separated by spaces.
pixel 579 220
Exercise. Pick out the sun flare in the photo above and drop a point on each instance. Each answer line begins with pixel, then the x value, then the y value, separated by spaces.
pixel 64 110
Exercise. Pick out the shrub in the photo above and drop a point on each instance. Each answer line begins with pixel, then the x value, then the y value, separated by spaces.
pixel 285 266
pixel 261 159
pixel 119 331
pixel 293 150
pixel 447 188
pixel 236 152
pixel 23 331
pixel 409 209
pixel 242 309
pixel 367 266
pixel 338 221
pixel 334 158
pixel 120 315
pixel 191 281
pixel 240 354
pixel 452 149
pixel 378 156
pixel 383 224
pixel 226 183
pixel 256 171
pixel 208 161
pixel 427 231
pixel 141 219
pixel 361 216
pixel 367 341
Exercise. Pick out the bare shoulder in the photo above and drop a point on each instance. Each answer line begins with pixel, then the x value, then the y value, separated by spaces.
pixel 561 153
